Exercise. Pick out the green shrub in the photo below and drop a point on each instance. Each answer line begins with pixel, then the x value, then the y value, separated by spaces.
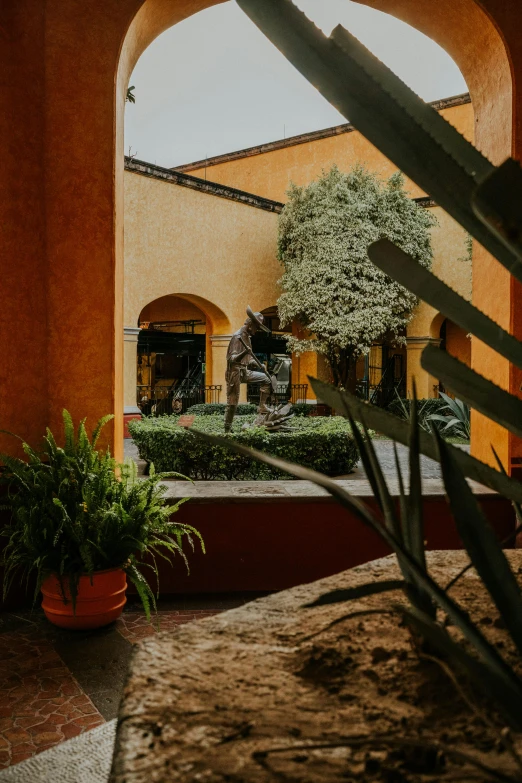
pixel 320 443
pixel 425 408
pixel 243 409
pixel 211 408
pixel 71 514
pixel 303 409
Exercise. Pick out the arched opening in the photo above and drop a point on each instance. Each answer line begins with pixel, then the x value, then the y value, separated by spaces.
pixel 453 339
pixel 169 356
pixel 462 28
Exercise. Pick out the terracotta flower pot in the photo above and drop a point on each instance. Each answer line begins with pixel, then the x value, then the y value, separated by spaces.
pixel 99 602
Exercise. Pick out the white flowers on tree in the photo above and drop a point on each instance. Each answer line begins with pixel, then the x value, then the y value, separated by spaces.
pixel 330 286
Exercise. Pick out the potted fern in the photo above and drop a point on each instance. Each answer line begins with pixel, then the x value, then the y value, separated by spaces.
pixel 84 524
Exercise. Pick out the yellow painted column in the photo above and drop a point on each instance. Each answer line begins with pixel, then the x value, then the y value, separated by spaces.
pixel 130 355
pixel 219 344
pixel 425 383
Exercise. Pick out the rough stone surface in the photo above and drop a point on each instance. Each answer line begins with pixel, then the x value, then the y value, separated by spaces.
pixel 201 702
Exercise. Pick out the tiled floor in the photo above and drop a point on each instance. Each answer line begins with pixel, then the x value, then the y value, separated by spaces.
pixel 56 684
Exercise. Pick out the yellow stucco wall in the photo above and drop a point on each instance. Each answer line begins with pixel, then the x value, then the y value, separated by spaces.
pixel 214 252
pixel 173 308
pixel 269 174
pixel 220 255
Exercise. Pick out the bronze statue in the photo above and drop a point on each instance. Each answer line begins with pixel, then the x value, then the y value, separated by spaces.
pixel 243 366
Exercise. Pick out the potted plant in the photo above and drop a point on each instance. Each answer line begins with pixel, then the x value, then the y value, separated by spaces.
pixel 84 524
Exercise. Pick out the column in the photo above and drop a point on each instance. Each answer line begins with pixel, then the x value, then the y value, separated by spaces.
pixel 219 345
pixel 424 382
pixel 130 356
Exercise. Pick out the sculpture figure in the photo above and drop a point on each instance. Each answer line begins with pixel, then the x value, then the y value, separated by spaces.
pixel 243 367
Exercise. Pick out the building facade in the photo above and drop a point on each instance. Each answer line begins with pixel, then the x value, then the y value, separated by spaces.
pixel 201 244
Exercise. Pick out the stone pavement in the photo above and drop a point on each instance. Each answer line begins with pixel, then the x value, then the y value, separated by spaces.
pixel 58 684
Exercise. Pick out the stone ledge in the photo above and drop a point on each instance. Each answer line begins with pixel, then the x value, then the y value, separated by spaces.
pixel 202 700
pixel 224 492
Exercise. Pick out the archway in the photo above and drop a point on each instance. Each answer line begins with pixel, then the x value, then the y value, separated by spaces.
pixel 170 356
pixel 466 31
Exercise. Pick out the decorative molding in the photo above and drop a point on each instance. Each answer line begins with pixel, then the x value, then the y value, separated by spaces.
pixel 423 341
pixel 203 185
pixel 217 339
pixel 303 138
pixel 130 334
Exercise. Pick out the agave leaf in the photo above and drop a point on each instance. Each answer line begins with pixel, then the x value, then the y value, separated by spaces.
pixel 405 270
pixel 405 526
pixel 482 675
pixel 405 129
pixel 398 430
pixel 460 618
pixel 481 394
pixel 373 469
pixel 482 545
pixel 496 202
pixel 439 417
pixel 361 591
pixel 415 504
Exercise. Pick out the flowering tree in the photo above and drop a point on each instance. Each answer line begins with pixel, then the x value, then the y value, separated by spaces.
pixel 330 286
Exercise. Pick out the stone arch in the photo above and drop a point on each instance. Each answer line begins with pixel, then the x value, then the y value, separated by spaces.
pixel 468 31
pixel 217 331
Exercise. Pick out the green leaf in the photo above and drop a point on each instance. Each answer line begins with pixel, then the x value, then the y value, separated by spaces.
pixel 483 395
pixel 405 270
pixel 482 545
pixel 404 128
pixel 483 676
pixel 415 501
pixel 460 618
pixel 398 430
pixel 361 591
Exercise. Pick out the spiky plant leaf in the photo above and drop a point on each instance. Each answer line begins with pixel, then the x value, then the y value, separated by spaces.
pixel 405 129
pixel 481 675
pixel 396 429
pixel 483 395
pixel 361 591
pixel 483 647
pixel 405 270
pixel 482 545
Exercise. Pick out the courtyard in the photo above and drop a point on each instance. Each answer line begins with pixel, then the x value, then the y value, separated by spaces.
pixel 260 419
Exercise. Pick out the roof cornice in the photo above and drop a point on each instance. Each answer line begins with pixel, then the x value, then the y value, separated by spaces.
pixel 202 185
pixel 303 138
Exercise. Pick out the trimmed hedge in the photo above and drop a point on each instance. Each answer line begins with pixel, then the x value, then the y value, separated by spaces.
pixel 243 409
pixel 211 408
pixel 425 408
pixel 322 443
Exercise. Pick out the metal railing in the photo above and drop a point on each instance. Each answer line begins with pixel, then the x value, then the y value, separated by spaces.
pixel 295 392
pixel 161 400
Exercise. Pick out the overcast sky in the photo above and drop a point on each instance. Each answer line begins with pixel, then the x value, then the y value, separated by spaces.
pixel 214 83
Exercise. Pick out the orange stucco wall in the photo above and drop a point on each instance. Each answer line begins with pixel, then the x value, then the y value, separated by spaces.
pixel 270 173
pixel 458 342
pixel 64 67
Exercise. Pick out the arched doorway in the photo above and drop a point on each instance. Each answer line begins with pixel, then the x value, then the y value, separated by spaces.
pixel 453 339
pixel 169 359
pixel 469 35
